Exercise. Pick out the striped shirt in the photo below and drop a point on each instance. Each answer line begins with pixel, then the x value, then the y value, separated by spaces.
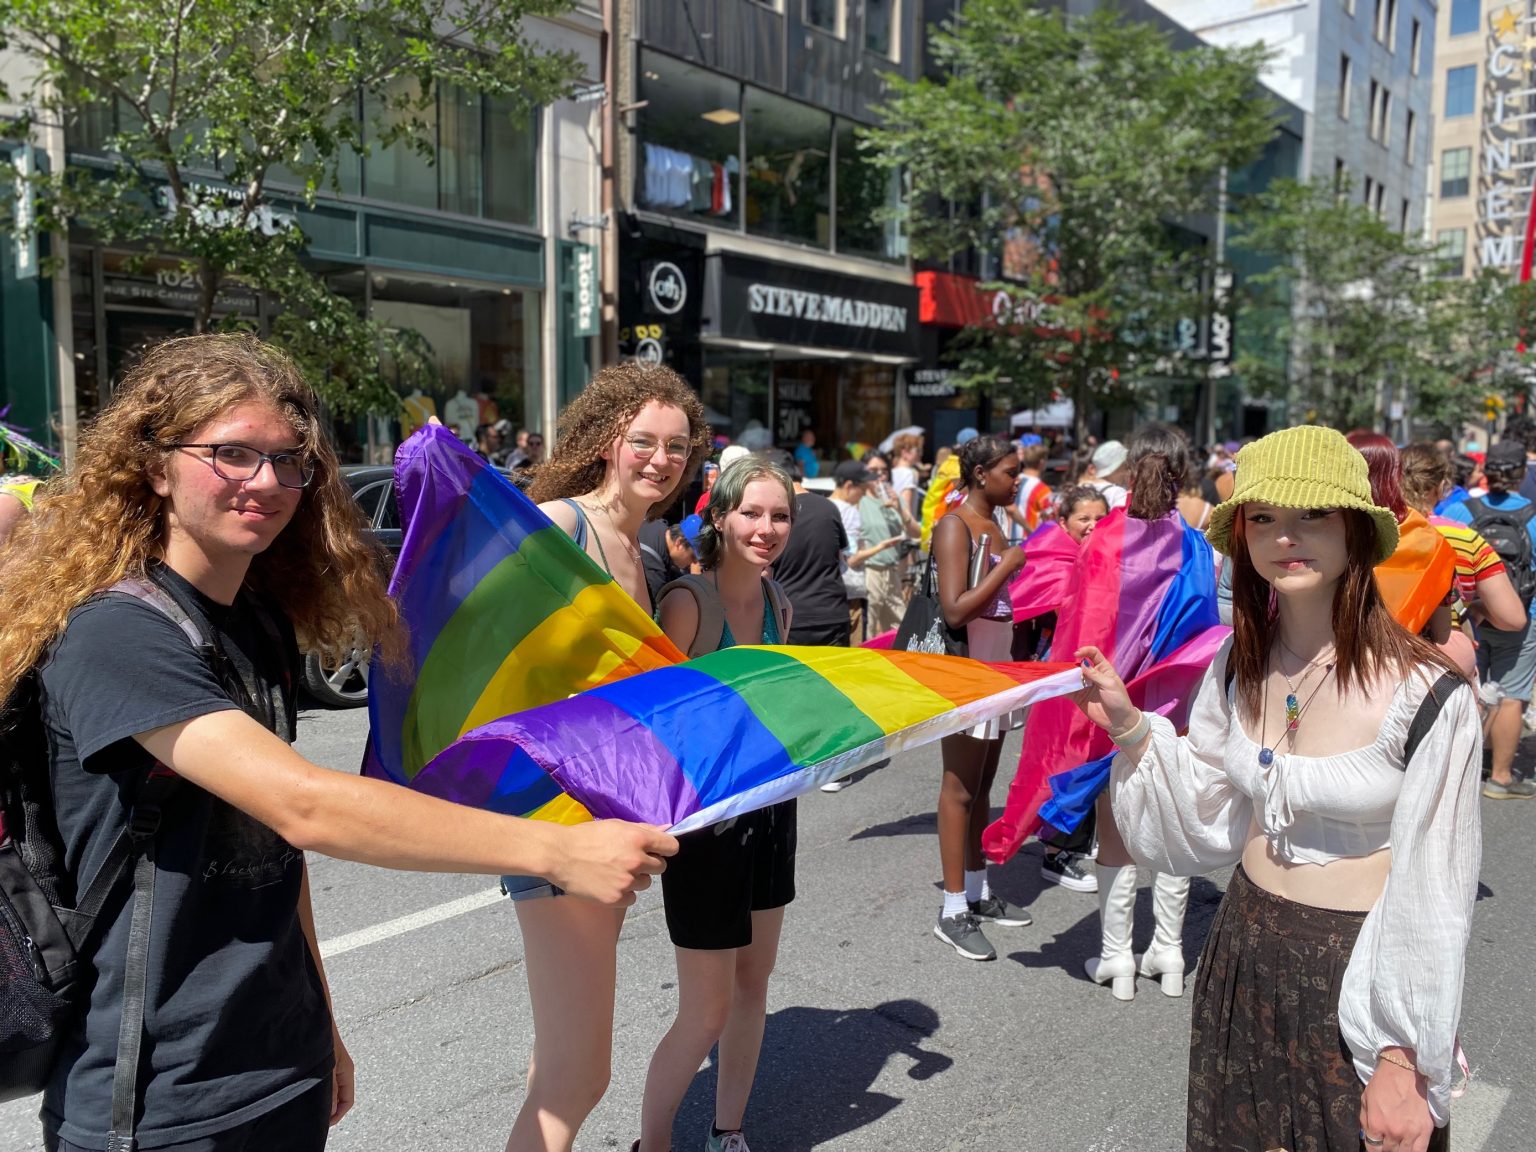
pixel 1475 558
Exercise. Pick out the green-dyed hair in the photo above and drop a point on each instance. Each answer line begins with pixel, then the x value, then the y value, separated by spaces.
pixel 726 496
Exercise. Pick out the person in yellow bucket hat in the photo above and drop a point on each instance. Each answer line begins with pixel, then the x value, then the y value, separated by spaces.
pixel 1335 758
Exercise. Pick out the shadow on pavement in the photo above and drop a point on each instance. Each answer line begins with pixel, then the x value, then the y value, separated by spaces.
pixel 815 1075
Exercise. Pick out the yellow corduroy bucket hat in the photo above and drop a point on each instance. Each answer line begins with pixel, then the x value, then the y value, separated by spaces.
pixel 1306 467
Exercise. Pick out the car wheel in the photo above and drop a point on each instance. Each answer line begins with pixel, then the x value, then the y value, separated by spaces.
pixel 338 684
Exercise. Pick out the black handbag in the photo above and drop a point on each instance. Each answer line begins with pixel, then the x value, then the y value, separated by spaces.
pixel 923 627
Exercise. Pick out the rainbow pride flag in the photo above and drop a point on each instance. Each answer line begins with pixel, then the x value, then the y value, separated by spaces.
pixel 537 687
pixel 1144 592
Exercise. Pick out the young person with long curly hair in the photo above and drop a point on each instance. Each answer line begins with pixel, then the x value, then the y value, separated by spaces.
pixel 209 480
pixel 1342 936
pixel 627 445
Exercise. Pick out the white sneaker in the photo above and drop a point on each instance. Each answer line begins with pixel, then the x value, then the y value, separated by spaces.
pixel 1529 719
pixel 834 785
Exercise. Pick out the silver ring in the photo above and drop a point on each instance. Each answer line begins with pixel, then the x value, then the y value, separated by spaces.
pixel 1376 1143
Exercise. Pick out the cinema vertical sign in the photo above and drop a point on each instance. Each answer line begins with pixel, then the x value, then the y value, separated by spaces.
pixel 1508 144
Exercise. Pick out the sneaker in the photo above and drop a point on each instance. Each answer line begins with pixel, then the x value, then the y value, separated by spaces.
pixel 963 934
pixel 1064 868
pixel 725 1142
pixel 835 785
pixel 996 910
pixel 1528 718
pixel 1514 790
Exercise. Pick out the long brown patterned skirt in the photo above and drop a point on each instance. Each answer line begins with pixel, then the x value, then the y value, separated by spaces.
pixel 1268 1068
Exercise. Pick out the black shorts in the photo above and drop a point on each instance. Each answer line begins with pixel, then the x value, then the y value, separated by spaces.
pixel 298 1125
pixel 835 634
pixel 721 875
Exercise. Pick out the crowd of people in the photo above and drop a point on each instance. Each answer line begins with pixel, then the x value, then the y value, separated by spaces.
pixel 1378 601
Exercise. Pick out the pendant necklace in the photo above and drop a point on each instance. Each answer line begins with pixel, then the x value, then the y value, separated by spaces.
pixel 1293 707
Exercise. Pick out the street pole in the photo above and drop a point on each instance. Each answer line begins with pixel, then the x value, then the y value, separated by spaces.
pixel 1209 416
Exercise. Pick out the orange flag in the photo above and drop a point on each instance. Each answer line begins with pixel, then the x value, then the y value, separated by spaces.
pixel 1414 580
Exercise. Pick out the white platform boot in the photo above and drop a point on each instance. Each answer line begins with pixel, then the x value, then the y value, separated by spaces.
pixel 1115 965
pixel 1165 959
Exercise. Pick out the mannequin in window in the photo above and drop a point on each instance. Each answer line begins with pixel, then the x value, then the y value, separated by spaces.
pixel 416 409
pixel 462 411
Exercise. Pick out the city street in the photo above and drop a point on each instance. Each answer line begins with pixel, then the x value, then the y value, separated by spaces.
pixel 878 1037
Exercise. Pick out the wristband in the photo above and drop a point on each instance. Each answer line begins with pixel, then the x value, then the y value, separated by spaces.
pixel 1133 735
pixel 1392 1058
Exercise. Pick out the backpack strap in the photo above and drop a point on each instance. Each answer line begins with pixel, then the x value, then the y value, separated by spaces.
pixel 711 612
pixel 1429 711
pixel 151 593
pixel 778 600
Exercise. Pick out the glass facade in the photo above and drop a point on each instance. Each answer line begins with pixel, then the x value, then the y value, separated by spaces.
pixel 397 172
pixel 880 25
pixel 691 128
pixel 1453 251
pixel 825 14
pixel 865 194
pixel 1466 15
pixel 788 169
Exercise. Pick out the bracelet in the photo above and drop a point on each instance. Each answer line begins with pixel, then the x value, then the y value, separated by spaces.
pixel 1391 1058
pixel 1133 735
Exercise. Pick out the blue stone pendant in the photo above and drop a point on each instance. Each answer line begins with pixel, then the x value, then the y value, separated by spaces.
pixel 1266 757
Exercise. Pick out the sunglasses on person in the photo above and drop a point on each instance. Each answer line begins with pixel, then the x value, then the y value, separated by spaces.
pixel 535 441
pixel 238 463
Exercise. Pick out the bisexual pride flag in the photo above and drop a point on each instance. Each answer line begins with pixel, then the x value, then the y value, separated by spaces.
pixel 536 687
pixel 1144 592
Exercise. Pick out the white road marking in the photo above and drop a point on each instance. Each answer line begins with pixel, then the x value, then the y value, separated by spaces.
pixel 403 924
pixel 1475 1115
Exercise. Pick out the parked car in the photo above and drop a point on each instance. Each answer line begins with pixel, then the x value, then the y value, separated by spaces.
pixel 344 683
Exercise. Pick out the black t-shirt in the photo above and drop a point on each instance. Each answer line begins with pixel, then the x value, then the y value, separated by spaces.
pixel 659 569
pixel 810 569
pixel 235 1020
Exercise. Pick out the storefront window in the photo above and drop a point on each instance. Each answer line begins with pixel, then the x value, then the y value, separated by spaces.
pixel 865 194
pixel 690 139
pixel 397 172
pixel 460 146
pixel 484 342
pixel 735 391
pixel 511 142
pixel 867 406
pixel 788 169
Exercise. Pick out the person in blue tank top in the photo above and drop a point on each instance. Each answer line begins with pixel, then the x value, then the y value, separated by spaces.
pixel 726 889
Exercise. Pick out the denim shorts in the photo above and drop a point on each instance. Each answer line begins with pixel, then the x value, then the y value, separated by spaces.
pixel 1510 659
pixel 529 888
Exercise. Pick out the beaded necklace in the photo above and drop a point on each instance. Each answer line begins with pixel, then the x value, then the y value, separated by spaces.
pixel 1293 708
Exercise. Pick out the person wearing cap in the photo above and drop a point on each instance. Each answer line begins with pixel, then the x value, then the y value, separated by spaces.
pixel 1507 658
pixel 1107 472
pixel 853 480
pixel 668 551
pixel 1341 939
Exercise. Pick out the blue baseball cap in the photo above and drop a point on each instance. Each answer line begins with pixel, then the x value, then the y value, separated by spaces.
pixel 966 436
pixel 1029 440
pixel 689 526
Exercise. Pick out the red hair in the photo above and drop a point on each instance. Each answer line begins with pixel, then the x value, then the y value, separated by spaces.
pixel 1367 639
pixel 1386 469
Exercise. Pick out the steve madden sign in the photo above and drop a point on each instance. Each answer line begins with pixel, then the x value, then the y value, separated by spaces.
pixel 764 300
pixel 818 306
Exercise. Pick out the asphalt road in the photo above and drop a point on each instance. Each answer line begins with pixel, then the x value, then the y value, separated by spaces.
pixel 878 1036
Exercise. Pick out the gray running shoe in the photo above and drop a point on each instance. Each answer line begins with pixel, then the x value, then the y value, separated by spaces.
pixel 1514 790
pixel 963 934
pixel 996 910
pixel 726 1142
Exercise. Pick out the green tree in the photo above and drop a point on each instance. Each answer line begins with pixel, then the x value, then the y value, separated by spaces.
pixel 1367 320
pixel 1072 146
pixel 202 103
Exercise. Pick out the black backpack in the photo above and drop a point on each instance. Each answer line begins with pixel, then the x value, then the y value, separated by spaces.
pixel 46 917
pixel 1507 531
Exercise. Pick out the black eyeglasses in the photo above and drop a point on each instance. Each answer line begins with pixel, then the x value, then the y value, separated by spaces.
pixel 241 462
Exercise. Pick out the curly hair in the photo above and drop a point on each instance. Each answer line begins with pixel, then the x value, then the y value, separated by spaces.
pixel 101 521
pixel 601 414
pixel 906 442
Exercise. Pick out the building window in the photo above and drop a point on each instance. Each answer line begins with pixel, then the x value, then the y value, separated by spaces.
pixel 1466 15
pixel 1346 84
pixel 1461 91
pixel 1349 7
pixel 865 196
pixel 1370 189
pixel 460 149
pixel 1402 219
pixel 788 165
pixel 1455 173
pixel 1384 17
pixel 690 133
pixel 825 14
pixel 1340 177
pixel 397 172
pixel 1417 47
pixel 1410 145
pixel 881 21
pixel 1378 206
pixel 1452 255
pixel 1384 124
pixel 1379 127
pixel 511 162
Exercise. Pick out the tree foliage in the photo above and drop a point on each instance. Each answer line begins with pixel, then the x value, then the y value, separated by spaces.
pixel 1367 318
pixel 201 104
pixel 1073 146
